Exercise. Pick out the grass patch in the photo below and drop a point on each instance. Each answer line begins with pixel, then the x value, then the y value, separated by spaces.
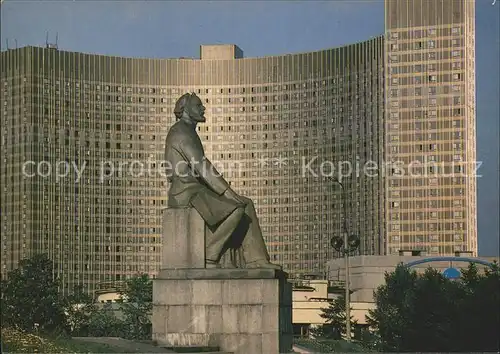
pixel 15 341
pixel 77 346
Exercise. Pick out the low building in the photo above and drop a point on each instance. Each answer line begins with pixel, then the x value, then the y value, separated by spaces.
pixel 108 292
pixel 310 297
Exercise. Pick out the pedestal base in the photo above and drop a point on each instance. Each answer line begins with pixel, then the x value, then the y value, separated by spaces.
pixel 237 310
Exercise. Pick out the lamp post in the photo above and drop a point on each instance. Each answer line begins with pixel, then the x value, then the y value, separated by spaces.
pixel 345 245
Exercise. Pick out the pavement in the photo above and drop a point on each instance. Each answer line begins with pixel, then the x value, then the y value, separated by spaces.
pixel 299 349
pixel 140 347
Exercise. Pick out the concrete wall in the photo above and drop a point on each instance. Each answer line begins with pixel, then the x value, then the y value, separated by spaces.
pixel 367 273
pixel 107 297
pixel 307 304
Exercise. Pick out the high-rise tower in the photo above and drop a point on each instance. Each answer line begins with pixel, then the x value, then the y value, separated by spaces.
pixel 430 126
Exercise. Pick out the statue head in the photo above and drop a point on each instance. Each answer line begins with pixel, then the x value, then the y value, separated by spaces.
pixel 189 106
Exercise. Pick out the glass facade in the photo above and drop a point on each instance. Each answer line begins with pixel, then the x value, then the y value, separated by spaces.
pixel 430 124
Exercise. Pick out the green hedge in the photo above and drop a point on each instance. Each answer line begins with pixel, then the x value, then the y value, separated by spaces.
pixel 330 346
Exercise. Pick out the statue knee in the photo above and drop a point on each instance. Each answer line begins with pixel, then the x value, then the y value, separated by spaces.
pixel 250 206
pixel 247 201
pixel 239 212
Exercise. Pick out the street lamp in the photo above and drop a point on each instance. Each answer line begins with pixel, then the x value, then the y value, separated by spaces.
pixel 346 245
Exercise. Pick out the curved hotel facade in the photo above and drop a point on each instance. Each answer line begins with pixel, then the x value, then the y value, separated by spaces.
pixel 276 127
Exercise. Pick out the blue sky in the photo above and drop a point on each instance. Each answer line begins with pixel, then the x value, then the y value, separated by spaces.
pixel 168 29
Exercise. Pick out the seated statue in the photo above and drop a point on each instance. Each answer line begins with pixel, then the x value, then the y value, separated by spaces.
pixel 231 219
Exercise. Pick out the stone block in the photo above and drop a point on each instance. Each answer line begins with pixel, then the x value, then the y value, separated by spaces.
pixel 206 292
pixel 230 319
pixel 221 273
pixel 179 319
pixel 269 315
pixel 244 319
pixel 185 340
pixel 214 319
pixel 183 243
pixel 240 311
pixel 285 342
pixel 271 292
pixel 159 319
pixel 172 292
pixel 199 320
pixel 286 293
pixel 271 343
pixel 242 291
pixel 285 319
pixel 250 319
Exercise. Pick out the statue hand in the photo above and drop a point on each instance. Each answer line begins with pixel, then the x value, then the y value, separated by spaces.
pixel 230 194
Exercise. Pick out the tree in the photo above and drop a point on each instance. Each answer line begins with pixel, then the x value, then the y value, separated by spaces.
pixel 393 300
pixel 429 312
pixel 335 316
pixel 30 299
pixel 79 309
pixel 433 314
pixel 137 306
pixel 105 323
pixel 480 310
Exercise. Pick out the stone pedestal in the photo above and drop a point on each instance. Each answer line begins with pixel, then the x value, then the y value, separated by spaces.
pixel 242 311
pixel 183 244
pixel 237 310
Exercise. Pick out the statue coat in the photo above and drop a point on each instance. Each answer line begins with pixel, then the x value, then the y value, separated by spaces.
pixel 194 181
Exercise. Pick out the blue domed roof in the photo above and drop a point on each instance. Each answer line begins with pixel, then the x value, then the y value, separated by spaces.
pixel 451 273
